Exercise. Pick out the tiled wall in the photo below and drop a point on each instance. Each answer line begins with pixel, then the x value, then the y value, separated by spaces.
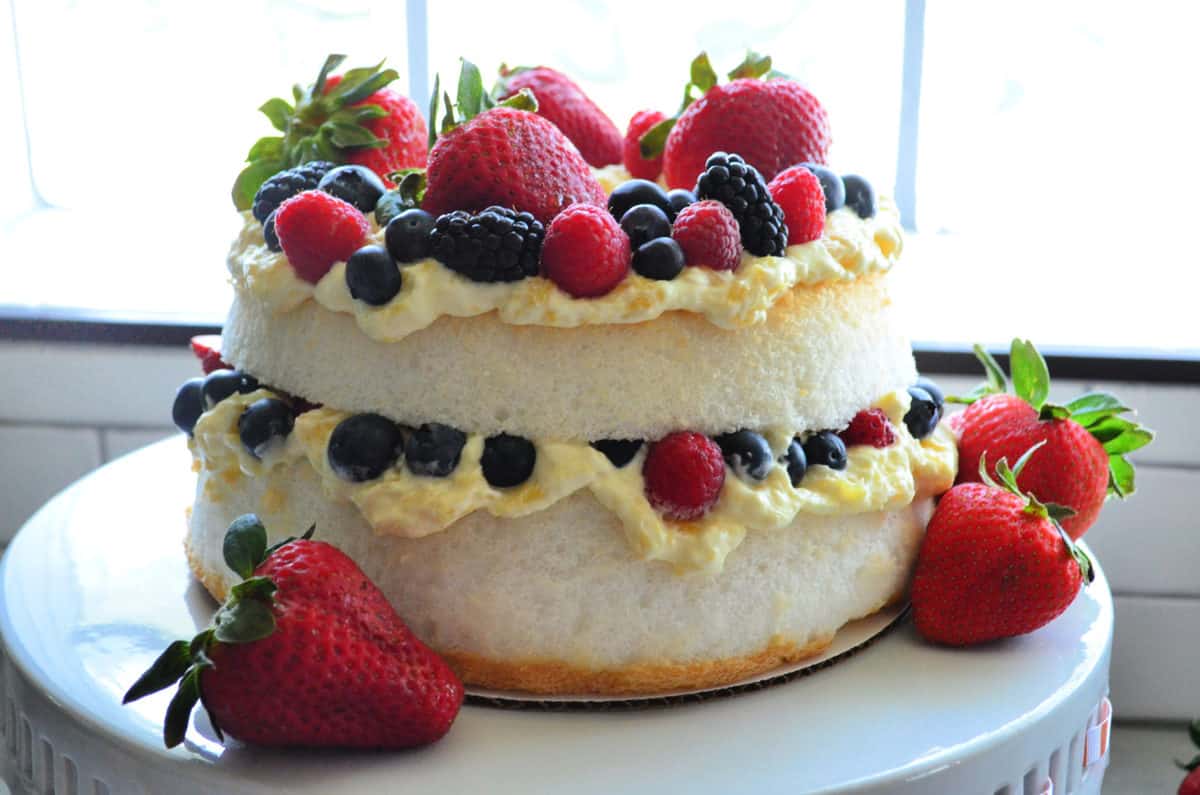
pixel 65 409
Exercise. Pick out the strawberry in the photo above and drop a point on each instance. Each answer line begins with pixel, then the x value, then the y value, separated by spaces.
pixel 994 562
pixel 207 348
pixel 503 155
pixel 684 472
pixel 348 118
pixel 869 427
pixel 631 151
pixel 1086 440
pixel 770 120
pixel 709 235
pixel 565 104
pixel 586 253
pixel 1191 783
pixel 798 191
pixel 306 651
pixel 316 230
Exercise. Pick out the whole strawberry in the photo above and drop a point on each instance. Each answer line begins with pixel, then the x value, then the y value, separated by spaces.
pixel 770 120
pixel 994 563
pixel 503 155
pixel 348 118
pixel 1085 441
pixel 631 151
pixel 565 104
pixel 306 651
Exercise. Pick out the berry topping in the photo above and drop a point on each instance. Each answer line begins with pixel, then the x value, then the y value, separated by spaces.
pixel 497 245
pixel 684 472
pixel 269 235
pixel 831 185
pixel 796 462
pixel 660 259
pixel 372 275
pixel 357 185
pixel 434 450
pixel 586 253
pixel 286 184
pixel 923 413
pixel 363 446
pixel 316 230
pixel 634 192
pixel 207 348
pixel 619 452
pixel 798 191
pixel 188 405
pixel 709 236
pixel 565 104
pixel 825 449
pixel 933 389
pixel 507 460
pixel 869 427
pixel 739 186
pixel 407 235
pixel 645 222
pixel 220 384
pixel 678 199
pixel 263 424
pixel 860 196
pixel 747 454
pixel 631 153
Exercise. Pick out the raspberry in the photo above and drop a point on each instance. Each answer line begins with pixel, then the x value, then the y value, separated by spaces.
pixel 798 191
pixel 869 426
pixel 586 253
pixel 735 183
pixel 684 473
pixel 207 348
pixel 317 230
pixel 708 234
pixel 631 153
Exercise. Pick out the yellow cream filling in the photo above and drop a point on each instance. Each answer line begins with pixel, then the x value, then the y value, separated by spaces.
pixel 403 504
pixel 850 247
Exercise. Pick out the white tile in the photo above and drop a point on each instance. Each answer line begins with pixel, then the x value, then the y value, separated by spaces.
pixel 1171 412
pixel 1149 544
pixel 37 463
pixel 116 443
pixel 93 384
pixel 1155 653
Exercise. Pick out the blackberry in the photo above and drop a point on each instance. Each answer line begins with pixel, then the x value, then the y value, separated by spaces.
pixel 286 184
pixel 735 183
pixel 497 245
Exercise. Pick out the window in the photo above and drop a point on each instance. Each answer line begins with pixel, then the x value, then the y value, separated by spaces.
pixel 1044 155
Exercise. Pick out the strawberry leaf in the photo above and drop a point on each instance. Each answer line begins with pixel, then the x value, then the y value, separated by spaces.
pixel 268 148
pixel 1030 376
pixel 179 712
pixel 522 100
pixel 1110 428
pixel 245 545
pixel 1094 406
pixel 1120 476
pixel 470 90
pixel 703 76
pixel 754 65
pixel 654 140
pixel 1128 441
pixel 163 672
pixel 408 194
pixel 1189 766
pixel 262 588
pixel 307 535
pixel 278 112
pixel 250 178
pixel 996 383
pixel 243 621
pixel 433 109
pixel 331 62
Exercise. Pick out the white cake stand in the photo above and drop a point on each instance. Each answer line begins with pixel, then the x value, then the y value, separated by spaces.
pixel 96 585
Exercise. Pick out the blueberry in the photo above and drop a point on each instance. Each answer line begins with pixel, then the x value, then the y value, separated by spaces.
pixel 220 384
pixel 678 199
pixel 434 450
pixel 923 414
pixel 645 222
pixel 372 275
pixel 825 449
pixel 619 452
pixel 831 183
pixel 796 462
pixel 407 235
pixel 363 446
pixel 661 259
pixel 269 233
pixel 933 389
pixel 747 454
pixel 189 405
pixel 357 185
pixel 263 423
pixel 637 191
pixel 860 196
pixel 507 460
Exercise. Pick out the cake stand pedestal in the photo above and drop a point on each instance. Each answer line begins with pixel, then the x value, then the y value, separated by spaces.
pixel 96 584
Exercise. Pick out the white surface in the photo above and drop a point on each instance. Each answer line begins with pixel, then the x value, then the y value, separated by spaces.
pixel 96 585
pixel 36 462
pixel 1154 678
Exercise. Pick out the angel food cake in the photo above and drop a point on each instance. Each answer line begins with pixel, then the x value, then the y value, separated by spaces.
pixel 598 414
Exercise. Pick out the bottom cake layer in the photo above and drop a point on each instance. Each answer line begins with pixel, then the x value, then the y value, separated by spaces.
pixel 557 602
